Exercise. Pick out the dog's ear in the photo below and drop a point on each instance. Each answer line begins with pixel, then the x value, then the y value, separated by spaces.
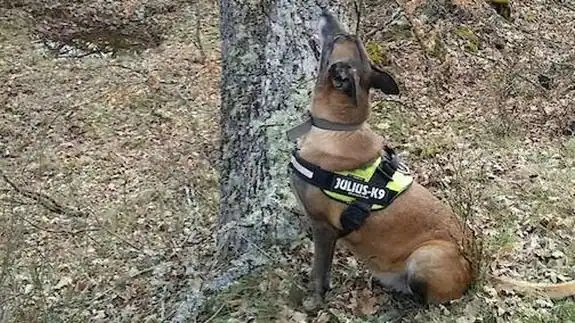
pixel 344 78
pixel 382 80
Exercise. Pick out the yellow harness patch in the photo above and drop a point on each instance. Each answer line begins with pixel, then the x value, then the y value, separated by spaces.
pixel 399 183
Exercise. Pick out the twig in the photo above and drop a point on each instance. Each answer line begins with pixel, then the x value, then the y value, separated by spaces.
pixel 295 211
pixel 119 282
pixel 491 59
pixel 44 200
pixel 358 6
pixel 34 225
pixel 537 85
pixel 213 316
pixel 117 236
pixel 188 309
pixel 11 201
pixel 258 248
pixel 129 69
pixel 372 32
pixel 88 53
pixel 141 272
pixel 198 34
pixel 275 260
pixel 9 298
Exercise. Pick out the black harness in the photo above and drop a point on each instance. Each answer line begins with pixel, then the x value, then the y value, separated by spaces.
pixel 366 194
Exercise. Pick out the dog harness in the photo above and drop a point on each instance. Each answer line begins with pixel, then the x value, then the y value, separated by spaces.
pixel 367 189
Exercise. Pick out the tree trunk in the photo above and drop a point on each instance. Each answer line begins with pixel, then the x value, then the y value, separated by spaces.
pixel 268 73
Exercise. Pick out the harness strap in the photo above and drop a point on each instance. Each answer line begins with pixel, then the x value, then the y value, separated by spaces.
pixel 311 121
pixel 353 216
pixel 366 192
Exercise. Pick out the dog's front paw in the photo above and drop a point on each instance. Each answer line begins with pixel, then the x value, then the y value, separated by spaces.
pixel 313 303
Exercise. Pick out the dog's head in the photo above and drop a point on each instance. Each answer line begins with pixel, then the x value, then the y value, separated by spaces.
pixel 345 75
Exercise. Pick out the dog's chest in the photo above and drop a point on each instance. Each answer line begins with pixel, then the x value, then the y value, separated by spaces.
pixel 315 203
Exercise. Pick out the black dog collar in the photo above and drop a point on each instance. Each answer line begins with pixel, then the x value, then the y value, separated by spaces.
pixel 303 128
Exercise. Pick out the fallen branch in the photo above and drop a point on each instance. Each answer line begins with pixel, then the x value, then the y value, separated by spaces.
pixel 44 200
pixel 117 236
pixel 505 65
pixel 51 205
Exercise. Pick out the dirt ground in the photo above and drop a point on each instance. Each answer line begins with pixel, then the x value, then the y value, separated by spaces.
pixel 109 174
pixel 109 194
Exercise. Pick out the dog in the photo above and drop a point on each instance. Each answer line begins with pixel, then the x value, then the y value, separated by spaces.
pixel 411 241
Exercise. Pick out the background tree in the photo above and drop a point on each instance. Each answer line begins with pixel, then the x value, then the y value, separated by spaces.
pixel 268 71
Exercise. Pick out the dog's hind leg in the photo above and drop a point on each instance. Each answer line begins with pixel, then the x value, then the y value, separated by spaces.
pixel 437 272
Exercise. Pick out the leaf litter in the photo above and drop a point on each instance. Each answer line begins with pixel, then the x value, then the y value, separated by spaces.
pixel 132 142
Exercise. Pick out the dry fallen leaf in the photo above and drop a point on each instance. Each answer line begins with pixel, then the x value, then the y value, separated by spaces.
pixel 366 302
pixel 63 282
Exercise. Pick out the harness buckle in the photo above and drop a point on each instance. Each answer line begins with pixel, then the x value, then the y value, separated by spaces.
pixel 354 215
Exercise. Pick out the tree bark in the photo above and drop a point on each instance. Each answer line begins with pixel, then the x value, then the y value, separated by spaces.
pixel 268 73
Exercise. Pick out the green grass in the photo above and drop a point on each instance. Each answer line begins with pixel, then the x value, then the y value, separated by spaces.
pixel 564 311
pixel 561 312
pixel 260 296
pixel 570 148
pixel 504 240
pixel 470 36
pixel 393 120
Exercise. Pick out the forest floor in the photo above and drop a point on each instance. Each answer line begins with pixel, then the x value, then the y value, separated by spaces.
pixel 109 194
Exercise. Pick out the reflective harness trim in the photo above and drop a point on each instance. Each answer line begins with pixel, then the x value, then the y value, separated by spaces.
pixel 398 183
pixel 367 189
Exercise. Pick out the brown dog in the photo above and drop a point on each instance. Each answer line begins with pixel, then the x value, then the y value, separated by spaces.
pixel 414 244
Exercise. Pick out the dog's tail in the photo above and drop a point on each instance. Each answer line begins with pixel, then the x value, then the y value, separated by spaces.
pixel 560 290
